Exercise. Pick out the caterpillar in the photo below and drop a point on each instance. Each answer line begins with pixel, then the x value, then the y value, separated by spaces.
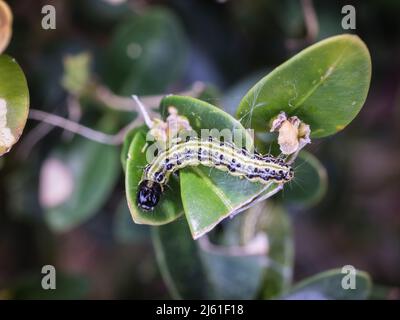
pixel 211 153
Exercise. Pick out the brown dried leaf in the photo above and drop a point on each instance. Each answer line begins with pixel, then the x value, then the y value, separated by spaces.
pixel 5 25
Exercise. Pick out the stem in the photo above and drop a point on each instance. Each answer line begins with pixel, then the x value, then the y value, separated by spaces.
pixel 143 111
pixel 311 25
pixel 72 126
pixel 74 113
pixel 310 19
pixel 107 97
pixel 32 138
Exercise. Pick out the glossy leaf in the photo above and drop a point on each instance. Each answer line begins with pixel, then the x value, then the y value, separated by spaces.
pixel 274 221
pixel 310 183
pixel 325 85
pixel 256 272
pixel 250 256
pixel 127 231
pixel 179 261
pixel 202 270
pixel 170 206
pixel 210 195
pixel 234 272
pixel 95 169
pixel 328 286
pixel 146 54
pixel 127 143
pixel 14 102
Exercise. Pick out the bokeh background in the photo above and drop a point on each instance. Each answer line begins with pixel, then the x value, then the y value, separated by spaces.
pixel 227 45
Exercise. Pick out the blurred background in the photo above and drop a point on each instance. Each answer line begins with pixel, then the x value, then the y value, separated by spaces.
pixel 159 47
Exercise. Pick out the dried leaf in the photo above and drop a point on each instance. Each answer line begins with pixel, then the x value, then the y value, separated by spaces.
pixel 5 25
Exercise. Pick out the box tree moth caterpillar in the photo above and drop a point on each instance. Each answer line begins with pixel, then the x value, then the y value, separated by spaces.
pixel 211 153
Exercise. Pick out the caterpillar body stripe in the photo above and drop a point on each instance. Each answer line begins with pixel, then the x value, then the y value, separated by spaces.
pixel 224 156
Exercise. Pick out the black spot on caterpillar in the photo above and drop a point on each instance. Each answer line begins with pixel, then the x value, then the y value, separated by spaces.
pixel 220 155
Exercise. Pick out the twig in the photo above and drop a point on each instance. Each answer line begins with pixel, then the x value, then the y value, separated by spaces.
pixel 71 126
pixel 32 138
pixel 310 20
pixel 104 95
pixel 120 136
pixel 107 97
pixel 74 113
pixel 81 130
pixel 311 25
pixel 144 112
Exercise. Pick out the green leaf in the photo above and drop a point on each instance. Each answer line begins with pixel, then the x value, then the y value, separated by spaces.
pixel 94 168
pixel 234 272
pixel 210 195
pixel 125 230
pixel 170 206
pixel 325 85
pixel 146 54
pixel 274 221
pixel 179 262
pixel 309 184
pixel 127 143
pixel 203 115
pixel 265 274
pixel 14 102
pixel 202 270
pixel 328 286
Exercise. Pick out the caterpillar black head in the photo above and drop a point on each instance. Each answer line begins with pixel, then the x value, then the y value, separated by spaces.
pixel 148 195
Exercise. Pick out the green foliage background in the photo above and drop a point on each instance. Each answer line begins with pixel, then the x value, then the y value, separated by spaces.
pixel 347 214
